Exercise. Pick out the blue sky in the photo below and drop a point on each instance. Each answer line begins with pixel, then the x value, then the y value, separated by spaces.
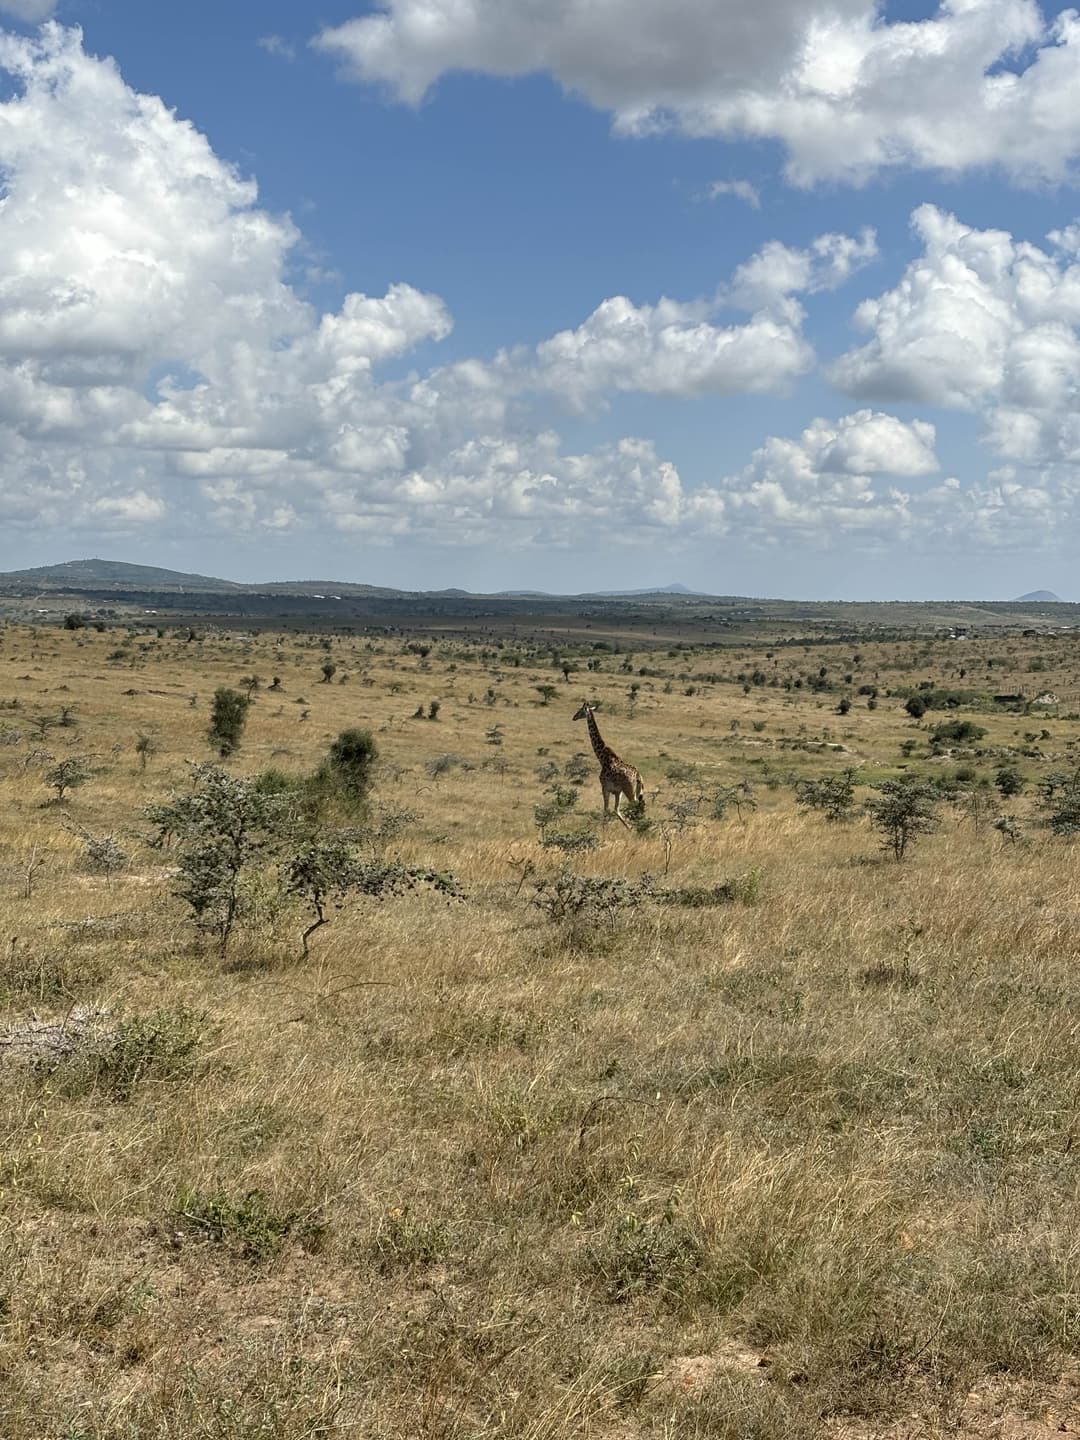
pixel 574 296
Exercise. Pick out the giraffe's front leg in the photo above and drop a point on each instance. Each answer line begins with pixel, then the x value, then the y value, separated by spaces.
pixel 607 797
pixel 618 813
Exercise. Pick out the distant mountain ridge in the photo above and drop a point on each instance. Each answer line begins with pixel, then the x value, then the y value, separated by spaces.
pixel 119 575
pixel 112 574
pixel 101 581
pixel 674 589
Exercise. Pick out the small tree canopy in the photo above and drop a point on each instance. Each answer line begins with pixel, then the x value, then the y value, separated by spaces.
pixel 959 732
pixel 227 720
pixel 68 775
pixel 327 872
pixel 832 795
pixel 905 810
pixel 224 825
pixel 349 768
pixel 1009 781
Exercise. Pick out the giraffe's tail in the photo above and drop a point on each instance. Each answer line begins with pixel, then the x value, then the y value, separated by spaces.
pixel 639 790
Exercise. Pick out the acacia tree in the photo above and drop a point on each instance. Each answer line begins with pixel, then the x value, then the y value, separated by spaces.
pixel 1009 781
pixel 905 810
pixel 225 826
pixel 325 873
pixel 1061 802
pixel 146 746
pixel 68 775
pixel 832 795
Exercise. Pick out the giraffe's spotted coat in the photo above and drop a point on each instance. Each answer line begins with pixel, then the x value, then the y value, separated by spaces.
pixel 617 778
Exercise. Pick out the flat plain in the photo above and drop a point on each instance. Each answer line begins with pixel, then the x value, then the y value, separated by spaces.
pixel 772 1135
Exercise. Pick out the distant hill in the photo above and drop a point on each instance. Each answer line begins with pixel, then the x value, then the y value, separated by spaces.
pixel 115 576
pixel 675 589
pixel 151 589
pixel 112 575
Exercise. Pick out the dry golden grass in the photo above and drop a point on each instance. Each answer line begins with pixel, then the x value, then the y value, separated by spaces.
pixel 805 1164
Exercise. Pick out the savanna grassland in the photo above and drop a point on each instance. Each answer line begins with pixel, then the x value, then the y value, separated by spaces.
pixel 780 1141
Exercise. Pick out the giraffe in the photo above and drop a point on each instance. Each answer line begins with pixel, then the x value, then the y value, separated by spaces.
pixel 616 776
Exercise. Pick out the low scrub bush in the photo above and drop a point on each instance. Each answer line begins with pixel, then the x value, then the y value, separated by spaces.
pixel 740 890
pixel 251 1226
pixel 114 1057
pixel 638 1256
pixel 957 732
pixel 571 899
pixel 904 811
pixel 405 1241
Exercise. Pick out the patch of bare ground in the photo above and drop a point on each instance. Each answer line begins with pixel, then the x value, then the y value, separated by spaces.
pixel 691 1374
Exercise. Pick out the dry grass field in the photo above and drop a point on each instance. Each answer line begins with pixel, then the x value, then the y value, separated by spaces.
pixel 786 1144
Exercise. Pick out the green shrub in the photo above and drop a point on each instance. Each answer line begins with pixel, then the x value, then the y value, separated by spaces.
pixel 224 826
pixel 325 873
pixel 161 1046
pixel 404 1242
pixel 1061 803
pixel 562 800
pixel 958 732
pixel 273 782
pixel 574 899
pixel 742 890
pixel 68 775
pixel 251 1227
pixel 1009 781
pixel 570 842
pixel 640 1256
pixel 227 720
pixel 348 771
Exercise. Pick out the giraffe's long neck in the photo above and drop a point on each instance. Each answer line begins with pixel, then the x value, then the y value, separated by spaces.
pixel 594 735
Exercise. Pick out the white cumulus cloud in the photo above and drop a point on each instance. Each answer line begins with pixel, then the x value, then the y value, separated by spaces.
pixel 160 373
pixel 778 270
pixel 158 368
pixel 983 322
pixel 846 90
pixel 670 349
pixel 837 478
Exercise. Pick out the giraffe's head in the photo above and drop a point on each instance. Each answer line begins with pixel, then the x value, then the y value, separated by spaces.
pixel 585 710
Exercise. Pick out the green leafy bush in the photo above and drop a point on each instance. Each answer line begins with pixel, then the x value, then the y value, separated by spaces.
pixel 644 1255
pixel 251 1226
pixel 115 1058
pixel 225 826
pixel 228 717
pixel 957 732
